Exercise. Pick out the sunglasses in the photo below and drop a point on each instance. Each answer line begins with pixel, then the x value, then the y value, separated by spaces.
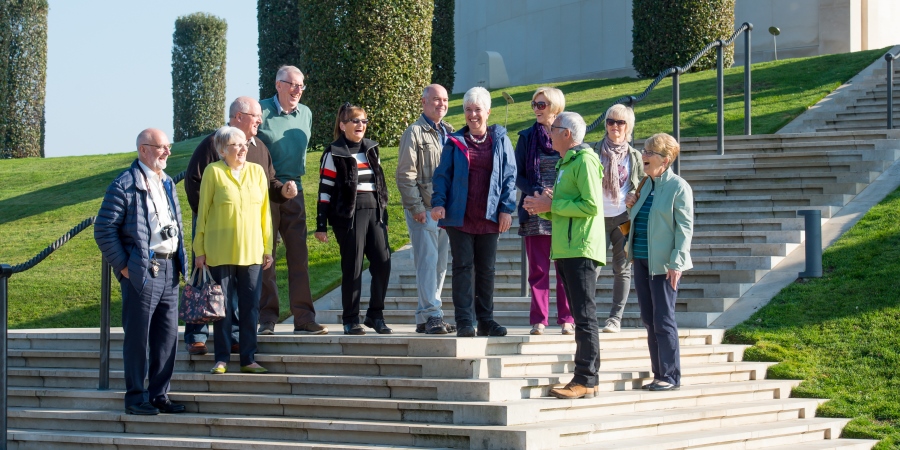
pixel 357 121
pixel 540 106
pixel 611 122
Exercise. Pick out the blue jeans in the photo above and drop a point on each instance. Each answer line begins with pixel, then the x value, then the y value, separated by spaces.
pixel 199 332
pixel 473 275
pixel 430 249
pixel 242 286
pixel 657 300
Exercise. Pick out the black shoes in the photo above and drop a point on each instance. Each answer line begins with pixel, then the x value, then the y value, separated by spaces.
pixel 490 328
pixel 465 331
pixel 166 406
pixel 143 409
pixel 663 387
pixel 378 325
pixel 354 329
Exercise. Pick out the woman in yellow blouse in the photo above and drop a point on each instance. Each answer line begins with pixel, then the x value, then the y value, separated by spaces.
pixel 234 229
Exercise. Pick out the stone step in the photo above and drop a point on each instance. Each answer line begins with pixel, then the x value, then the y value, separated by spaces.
pixel 799 177
pixel 688 289
pixel 398 307
pixel 814 152
pixel 830 444
pixel 757 212
pixel 778 224
pixel 787 237
pixel 776 169
pixel 689 144
pixel 798 189
pixel 741 200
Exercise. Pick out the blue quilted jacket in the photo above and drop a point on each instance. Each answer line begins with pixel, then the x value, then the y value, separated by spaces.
pixel 122 228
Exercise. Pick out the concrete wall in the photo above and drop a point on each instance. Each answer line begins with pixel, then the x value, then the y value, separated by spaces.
pixel 545 41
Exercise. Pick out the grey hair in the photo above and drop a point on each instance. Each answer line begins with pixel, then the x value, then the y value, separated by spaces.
pixel 223 136
pixel 574 123
pixel 238 106
pixel 479 96
pixel 622 112
pixel 284 70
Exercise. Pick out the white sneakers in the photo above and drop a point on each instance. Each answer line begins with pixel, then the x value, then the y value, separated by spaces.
pixel 568 328
pixel 612 326
pixel 537 329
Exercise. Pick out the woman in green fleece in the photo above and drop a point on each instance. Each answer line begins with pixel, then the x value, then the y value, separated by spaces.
pixel 578 242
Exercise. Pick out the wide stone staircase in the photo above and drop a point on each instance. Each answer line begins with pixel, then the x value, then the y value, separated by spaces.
pixel 745 223
pixel 409 391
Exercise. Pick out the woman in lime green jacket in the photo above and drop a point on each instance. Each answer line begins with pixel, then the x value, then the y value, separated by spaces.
pixel 234 229
pixel 578 242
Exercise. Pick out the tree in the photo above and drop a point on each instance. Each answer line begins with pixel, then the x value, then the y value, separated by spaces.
pixel 23 77
pixel 279 40
pixel 198 74
pixel 373 53
pixel 443 46
pixel 668 33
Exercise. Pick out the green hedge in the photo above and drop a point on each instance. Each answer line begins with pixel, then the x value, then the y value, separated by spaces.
pixel 23 77
pixel 668 33
pixel 198 75
pixel 443 46
pixel 372 53
pixel 279 40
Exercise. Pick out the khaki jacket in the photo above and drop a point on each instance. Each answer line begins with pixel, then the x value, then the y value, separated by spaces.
pixel 419 155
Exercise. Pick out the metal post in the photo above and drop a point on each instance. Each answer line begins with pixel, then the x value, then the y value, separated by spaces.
pixel 813 227
pixel 747 106
pixel 720 94
pixel 676 115
pixel 890 90
pixel 105 289
pixel 5 272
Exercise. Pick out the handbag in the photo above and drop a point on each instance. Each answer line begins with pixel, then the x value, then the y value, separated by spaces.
pixel 625 228
pixel 201 302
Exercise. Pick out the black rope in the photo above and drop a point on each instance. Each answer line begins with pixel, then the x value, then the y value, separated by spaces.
pixel 68 236
pixel 631 100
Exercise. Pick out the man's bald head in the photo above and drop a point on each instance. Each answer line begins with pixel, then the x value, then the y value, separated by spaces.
pixel 246 114
pixel 435 102
pixel 153 148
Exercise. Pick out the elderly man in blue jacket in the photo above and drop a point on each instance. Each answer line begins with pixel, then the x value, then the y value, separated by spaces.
pixel 139 232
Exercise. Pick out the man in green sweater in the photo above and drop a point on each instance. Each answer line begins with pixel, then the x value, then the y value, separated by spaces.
pixel 285 130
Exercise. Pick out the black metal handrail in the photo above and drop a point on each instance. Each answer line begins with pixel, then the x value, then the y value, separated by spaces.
pixel 7 271
pixel 890 57
pixel 676 72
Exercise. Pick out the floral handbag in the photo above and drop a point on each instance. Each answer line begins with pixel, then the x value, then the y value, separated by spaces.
pixel 201 302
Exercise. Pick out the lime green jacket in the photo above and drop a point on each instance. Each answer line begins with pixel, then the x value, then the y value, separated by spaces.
pixel 577 208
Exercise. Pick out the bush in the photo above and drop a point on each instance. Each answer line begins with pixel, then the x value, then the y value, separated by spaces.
pixel 198 75
pixel 279 40
pixel 372 53
pixel 443 47
pixel 669 33
pixel 23 76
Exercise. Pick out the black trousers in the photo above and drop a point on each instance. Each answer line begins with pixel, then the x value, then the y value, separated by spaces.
pixel 241 286
pixel 657 300
pixel 367 237
pixel 473 275
pixel 579 277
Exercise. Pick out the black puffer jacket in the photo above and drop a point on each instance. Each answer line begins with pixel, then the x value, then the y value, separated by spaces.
pixel 337 201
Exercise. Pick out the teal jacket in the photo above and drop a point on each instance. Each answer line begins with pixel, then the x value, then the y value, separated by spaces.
pixel 670 225
pixel 577 209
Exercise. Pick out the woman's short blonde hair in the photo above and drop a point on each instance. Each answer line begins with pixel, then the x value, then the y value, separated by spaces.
pixel 665 145
pixel 554 96
pixel 622 112
pixel 224 136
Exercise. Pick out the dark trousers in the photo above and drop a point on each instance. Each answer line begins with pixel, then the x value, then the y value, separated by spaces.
pixel 241 287
pixel 579 277
pixel 473 275
pixel 289 219
pixel 657 301
pixel 199 332
pixel 150 320
pixel 368 237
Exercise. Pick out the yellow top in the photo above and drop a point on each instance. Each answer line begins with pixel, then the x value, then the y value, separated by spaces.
pixel 234 226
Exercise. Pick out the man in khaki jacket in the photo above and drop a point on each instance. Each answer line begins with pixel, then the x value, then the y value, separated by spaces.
pixel 420 152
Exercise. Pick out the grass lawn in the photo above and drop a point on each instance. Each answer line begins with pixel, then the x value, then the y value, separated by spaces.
pixel 41 199
pixel 839 332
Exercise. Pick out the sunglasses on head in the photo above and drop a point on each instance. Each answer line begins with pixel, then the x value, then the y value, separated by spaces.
pixel 540 106
pixel 612 122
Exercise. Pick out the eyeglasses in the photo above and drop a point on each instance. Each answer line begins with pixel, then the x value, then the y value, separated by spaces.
pixel 540 106
pixel 241 145
pixel 166 146
pixel 611 122
pixel 357 121
pixel 255 116
pixel 293 86
pixel 556 127
pixel 646 152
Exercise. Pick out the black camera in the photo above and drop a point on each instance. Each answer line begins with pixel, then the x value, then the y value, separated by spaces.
pixel 168 232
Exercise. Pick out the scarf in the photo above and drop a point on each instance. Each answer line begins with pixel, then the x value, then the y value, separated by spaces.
pixel 538 142
pixel 614 175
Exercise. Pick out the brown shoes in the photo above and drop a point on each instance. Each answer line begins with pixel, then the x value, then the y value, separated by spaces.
pixel 310 328
pixel 197 348
pixel 573 390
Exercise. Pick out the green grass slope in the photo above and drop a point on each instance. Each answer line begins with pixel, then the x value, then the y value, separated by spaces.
pixel 41 199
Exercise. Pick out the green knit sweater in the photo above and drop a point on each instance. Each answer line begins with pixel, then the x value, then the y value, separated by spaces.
pixel 286 136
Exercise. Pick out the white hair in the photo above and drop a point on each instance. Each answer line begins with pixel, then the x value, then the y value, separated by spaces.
pixel 479 96
pixel 284 70
pixel 223 136
pixel 574 123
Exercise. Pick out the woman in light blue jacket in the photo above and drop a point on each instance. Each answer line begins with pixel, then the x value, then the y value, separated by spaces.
pixel 659 244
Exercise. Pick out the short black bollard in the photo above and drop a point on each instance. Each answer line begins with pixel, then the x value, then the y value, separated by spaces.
pixel 813 227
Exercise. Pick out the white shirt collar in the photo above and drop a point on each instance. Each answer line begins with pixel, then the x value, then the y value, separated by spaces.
pixel 151 175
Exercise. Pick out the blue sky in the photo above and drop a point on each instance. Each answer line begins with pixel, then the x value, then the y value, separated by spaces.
pixel 109 68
